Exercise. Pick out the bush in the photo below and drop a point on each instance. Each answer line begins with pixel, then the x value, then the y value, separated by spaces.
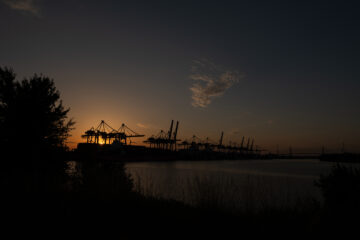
pixel 341 190
pixel 103 179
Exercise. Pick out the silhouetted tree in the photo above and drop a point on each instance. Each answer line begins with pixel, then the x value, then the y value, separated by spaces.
pixel 33 131
pixel 31 113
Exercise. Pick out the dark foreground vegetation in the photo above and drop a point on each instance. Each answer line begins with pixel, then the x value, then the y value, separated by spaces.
pixel 99 197
pixel 341 157
pixel 40 193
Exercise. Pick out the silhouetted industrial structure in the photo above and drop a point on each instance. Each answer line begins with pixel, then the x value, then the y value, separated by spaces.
pixel 105 134
pixel 166 145
pixel 167 141
pixel 197 144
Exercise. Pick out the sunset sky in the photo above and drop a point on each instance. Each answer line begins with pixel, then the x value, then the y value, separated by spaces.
pixel 282 72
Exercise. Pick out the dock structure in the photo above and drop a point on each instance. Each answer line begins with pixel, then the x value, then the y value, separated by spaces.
pixel 105 134
pixel 198 144
pixel 165 140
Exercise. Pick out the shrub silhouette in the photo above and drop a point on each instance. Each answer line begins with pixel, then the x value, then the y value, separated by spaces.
pixel 341 190
pixel 102 178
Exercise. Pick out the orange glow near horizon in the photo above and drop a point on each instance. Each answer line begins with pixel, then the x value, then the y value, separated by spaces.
pixel 298 143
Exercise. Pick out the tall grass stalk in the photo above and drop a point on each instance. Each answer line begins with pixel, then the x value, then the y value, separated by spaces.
pixel 248 194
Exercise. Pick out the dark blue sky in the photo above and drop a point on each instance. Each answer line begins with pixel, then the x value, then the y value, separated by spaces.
pixel 293 65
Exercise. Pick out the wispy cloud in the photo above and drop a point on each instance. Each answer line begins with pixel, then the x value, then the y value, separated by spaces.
pixel 210 81
pixel 28 6
pixel 140 125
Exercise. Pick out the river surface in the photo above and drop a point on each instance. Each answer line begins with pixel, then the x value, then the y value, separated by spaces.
pixel 249 184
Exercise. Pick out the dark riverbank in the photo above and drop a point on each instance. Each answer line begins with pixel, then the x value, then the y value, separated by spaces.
pixel 308 217
pixel 100 198
pixel 341 157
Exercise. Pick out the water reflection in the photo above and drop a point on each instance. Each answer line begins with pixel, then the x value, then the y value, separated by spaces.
pixel 233 184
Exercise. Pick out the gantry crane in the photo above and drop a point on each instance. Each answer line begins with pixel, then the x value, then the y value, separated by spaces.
pixel 109 135
pixel 165 140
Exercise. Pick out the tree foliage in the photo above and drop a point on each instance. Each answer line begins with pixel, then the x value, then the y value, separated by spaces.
pixel 31 112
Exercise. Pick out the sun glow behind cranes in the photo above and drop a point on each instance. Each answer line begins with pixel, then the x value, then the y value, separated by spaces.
pixel 105 134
